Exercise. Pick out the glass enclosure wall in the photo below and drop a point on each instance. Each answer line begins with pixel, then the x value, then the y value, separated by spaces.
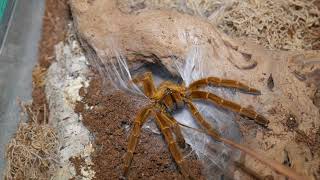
pixel 6 11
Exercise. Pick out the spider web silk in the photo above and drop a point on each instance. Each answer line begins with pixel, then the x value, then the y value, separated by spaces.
pixel 114 69
pixel 215 156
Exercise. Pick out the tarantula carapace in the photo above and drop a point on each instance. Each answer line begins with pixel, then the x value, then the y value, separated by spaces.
pixel 169 97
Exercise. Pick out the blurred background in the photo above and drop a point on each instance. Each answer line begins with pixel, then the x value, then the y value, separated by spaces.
pixel 20 31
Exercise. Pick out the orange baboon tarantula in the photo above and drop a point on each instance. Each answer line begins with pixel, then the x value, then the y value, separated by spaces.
pixel 170 96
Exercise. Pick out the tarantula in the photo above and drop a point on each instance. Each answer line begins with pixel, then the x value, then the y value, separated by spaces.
pixel 169 97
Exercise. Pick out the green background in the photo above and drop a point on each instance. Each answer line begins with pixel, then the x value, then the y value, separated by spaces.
pixel 3 5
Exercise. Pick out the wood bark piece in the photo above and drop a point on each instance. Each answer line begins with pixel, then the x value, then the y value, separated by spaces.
pixel 169 36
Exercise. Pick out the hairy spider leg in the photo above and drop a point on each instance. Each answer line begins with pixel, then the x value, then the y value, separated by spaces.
pixel 178 99
pixel 258 156
pixel 166 128
pixel 173 147
pixel 227 83
pixel 259 119
pixel 203 123
pixel 276 166
pixel 134 136
pixel 168 101
pixel 173 124
pixel 147 83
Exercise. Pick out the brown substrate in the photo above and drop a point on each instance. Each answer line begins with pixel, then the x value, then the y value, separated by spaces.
pixel 54 30
pixel 110 120
pixel 77 163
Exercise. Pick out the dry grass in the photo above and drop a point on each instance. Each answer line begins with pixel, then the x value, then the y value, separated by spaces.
pixel 276 24
pixel 32 152
pixel 38 76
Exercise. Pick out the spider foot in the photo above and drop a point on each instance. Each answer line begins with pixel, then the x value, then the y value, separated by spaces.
pixel 261 120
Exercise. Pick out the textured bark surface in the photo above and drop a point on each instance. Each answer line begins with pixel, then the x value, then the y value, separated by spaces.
pixel 168 35
pixel 289 99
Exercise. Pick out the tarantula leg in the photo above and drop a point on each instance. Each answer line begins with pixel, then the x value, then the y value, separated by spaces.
pixel 280 168
pixel 214 81
pixel 134 136
pixel 203 123
pixel 147 83
pixel 276 166
pixel 175 127
pixel 173 147
pixel 168 102
pixel 259 119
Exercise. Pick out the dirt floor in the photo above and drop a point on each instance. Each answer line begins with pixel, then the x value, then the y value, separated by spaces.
pixel 107 123
pixel 110 117
pixel 110 120
pixel 54 30
pixel 32 152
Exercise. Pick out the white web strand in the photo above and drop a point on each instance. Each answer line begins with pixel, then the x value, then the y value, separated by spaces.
pixel 213 154
pixel 193 69
pixel 116 70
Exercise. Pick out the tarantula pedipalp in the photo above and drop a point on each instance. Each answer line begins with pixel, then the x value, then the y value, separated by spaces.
pixel 170 96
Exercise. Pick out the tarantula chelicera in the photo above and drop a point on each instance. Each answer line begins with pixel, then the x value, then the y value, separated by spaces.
pixel 169 97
